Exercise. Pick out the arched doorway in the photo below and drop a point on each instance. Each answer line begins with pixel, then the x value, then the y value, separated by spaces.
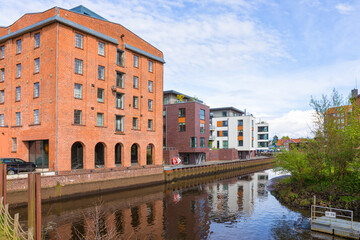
pixel 99 155
pixel 134 154
pixel 77 156
pixel 118 149
pixel 149 154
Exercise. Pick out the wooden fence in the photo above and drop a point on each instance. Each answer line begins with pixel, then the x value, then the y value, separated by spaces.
pixel 10 227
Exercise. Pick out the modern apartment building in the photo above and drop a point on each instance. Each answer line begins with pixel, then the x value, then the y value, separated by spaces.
pixel 79 92
pixel 232 128
pixel 186 128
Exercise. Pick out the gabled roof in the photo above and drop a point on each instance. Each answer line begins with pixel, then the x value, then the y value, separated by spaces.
pixel 85 11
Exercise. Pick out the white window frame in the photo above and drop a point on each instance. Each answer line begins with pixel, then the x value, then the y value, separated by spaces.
pixel 37 40
pixel 119 123
pixel 18 118
pixel 150 86
pixel 135 82
pixel 2 96
pixel 136 102
pixel 2 120
pixel 135 123
pixel 100 91
pixel 150 124
pixel 120 79
pixel 36 90
pixel 78 91
pixel 18 46
pixel 79 112
pixel 100 119
pixel 17 94
pixel 36 116
pixel 136 61
pixel 151 66
pixel 101 48
pixel 150 104
pixel 79 40
pixel 120 58
pixel 18 70
pixel 119 102
pixel 37 65
pixel 2 49
pixel 101 72
pixel 2 79
pixel 78 66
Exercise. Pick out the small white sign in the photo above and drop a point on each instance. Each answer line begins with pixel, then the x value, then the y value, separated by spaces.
pixel 330 214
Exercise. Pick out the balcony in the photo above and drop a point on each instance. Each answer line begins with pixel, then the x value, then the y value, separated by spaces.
pixel 212 127
pixel 211 138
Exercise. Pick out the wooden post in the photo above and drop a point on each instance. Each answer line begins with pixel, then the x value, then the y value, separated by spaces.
pixel 34 204
pixel 3 182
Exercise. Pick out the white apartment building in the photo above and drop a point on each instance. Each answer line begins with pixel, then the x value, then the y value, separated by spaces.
pixel 232 128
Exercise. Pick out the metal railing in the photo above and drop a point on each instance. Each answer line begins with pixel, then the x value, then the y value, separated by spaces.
pixel 10 227
pixel 331 214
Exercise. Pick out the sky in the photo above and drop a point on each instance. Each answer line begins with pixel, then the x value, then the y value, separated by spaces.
pixel 268 57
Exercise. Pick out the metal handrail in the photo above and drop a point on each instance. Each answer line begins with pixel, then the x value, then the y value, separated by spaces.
pixel 314 212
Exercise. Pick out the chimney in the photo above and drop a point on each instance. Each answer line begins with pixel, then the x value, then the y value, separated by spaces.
pixel 354 93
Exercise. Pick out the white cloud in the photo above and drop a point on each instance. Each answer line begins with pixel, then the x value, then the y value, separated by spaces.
pixel 344 8
pixel 294 124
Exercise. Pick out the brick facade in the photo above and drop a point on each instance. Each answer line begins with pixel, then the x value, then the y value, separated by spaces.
pixel 56 102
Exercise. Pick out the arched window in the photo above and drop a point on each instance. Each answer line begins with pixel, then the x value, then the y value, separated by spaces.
pixel 118 149
pixel 150 154
pixel 77 156
pixel 134 154
pixel 99 155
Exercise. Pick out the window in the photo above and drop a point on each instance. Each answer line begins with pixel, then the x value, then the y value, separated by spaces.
pixel 182 127
pixel 36 116
pixel 225 144
pixel 18 94
pixel 100 95
pixel 120 57
pixel 150 105
pixel 36 90
pixel 150 86
pixel 224 114
pixel 18 119
pixel 202 142
pixel 2 75
pixel 135 82
pixel 202 128
pixel 135 123
pixel 100 119
pixel 18 70
pixel 135 102
pixel 119 100
pixel 120 79
pixel 119 123
pixel 225 123
pixel 101 48
pixel 37 65
pixel 193 142
pixel 37 40
pixel 150 66
pixel 2 96
pixel 225 133
pixel 2 54
pixel 18 46
pixel 78 66
pixel 241 143
pixel 150 124
pixel 252 123
pixel 182 112
pixel 77 117
pixel 2 120
pixel 241 133
pixel 78 40
pixel 14 145
pixel 219 133
pixel 240 122
pixel 78 91
pixel 136 61
pixel 101 72
pixel 202 114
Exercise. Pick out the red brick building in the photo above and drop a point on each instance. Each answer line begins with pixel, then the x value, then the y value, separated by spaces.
pixel 78 91
pixel 186 128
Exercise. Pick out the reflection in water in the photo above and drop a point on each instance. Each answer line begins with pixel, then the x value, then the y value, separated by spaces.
pixel 233 207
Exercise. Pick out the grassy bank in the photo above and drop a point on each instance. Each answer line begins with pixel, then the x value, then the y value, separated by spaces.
pixel 343 194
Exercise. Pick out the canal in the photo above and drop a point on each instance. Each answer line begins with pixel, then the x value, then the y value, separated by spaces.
pixel 233 205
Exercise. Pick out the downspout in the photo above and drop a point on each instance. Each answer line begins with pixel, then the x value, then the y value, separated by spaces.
pixel 56 100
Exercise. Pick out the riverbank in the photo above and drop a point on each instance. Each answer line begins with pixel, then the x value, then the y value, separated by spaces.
pixel 87 182
pixel 327 194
